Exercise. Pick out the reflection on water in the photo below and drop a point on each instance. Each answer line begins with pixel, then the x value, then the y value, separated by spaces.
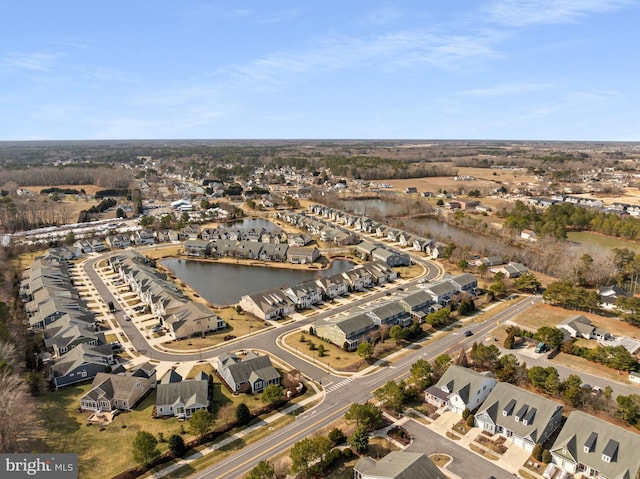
pixel 224 283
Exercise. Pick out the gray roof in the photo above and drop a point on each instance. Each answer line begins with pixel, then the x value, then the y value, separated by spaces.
pixel 190 391
pixel 600 437
pixel 349 325
pixel 253 366
pixel 399 465
pixel 538 412
pixel 462 381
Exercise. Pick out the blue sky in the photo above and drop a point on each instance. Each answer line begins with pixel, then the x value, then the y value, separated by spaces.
pixel 303 69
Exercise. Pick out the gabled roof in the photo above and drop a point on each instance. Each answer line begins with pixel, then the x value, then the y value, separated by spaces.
pixel 252 367
pixel 462 381
pixel 189 392
pixel 585 439
pixel 519 401
pixel 399 465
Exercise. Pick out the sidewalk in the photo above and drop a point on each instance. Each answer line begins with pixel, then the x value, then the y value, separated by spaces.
pixel 512 460
pixel 240 434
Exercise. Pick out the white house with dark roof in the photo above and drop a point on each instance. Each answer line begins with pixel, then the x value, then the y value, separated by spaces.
pixel 522 416
pixel 252 373
pixel 579 326
pixel 595 448
pixel 463 388
pixel 182 397
pixel 305 294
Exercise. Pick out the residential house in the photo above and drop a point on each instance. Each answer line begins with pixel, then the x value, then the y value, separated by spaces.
pixel 302 254
pixel 392 258
pixel 121 391
pixel 191 231
pixel 511 270
pixel 398 465
pixel 196 247
pixel 299 240
pixel 192 319
pixel 333 286
pixel 610 294
pixel 417 304
pixel 142 237
pixel 466 283
pixel 579 326
pixel 305 294
pixel 274 252
pixel 524 417
pixel 182 397
pixel 365 249
pixel 463 388
pixel 346 332
pixel 65 334
pixel 267 305
pixel 80 364
pixel 593 447
pixel 252 373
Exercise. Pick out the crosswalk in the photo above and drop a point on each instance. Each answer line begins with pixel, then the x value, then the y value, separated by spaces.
pixel 338 385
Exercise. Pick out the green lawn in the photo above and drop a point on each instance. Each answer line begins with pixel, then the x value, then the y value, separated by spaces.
pixel 105 453
pixel 101 453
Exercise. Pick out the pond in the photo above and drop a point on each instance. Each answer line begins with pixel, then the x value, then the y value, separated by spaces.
pixel 247 224
pixel 593 241
pixel 224 283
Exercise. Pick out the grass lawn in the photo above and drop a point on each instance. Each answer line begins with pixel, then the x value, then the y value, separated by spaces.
pixel 589 367
pixel 548 315
pixel 101 453
pixel 335 357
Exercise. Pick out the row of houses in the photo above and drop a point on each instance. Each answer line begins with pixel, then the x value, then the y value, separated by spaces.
pixel 180 316
pixel 324 228
pixel 276 252
pixel 360 324
pixel 53 306
pixel 122 390
pixel 584 444
pixel 278 302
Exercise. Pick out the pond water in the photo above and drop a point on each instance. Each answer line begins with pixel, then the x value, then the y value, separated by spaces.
pixel 224 283
pixel 597 242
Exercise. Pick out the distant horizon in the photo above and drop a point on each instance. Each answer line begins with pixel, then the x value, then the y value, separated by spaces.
pixel 525 70
pixel 312 140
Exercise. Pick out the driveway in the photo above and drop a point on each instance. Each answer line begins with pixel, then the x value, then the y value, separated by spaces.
pixel 464 464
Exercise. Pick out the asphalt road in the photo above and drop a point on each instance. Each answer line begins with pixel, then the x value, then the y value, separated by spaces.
pixel 463 460
pixel 336 402
pixel 340 392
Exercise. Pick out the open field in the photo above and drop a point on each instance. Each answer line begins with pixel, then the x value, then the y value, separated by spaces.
pixel 547 315
pixel 106 450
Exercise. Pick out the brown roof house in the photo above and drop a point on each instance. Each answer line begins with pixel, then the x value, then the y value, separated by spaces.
pixel 119 391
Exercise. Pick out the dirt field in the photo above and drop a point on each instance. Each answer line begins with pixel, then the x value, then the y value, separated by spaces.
pixel 547 315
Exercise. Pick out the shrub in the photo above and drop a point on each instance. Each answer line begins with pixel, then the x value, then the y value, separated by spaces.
pixel 546 456
pixel 537 452
pixel 337 436
pixel 470 420
pixel 176 445
pixel 465 413
pixel 347 453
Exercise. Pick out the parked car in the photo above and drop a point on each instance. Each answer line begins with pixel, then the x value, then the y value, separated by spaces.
pixel 157 328
pixel 229 337
pixel 468 333
pixel 127 318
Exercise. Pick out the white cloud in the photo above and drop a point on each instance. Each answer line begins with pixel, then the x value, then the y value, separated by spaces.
pixel 42 62
pixel 403 48
pixel 530 12
pixel 507 89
